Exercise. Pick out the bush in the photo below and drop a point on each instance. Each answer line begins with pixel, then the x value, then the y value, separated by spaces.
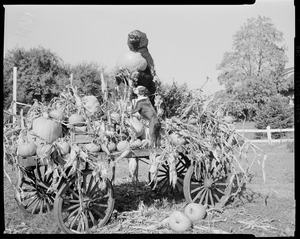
pixel 277 114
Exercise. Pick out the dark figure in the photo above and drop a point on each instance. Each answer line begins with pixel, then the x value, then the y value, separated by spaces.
pixel 138 42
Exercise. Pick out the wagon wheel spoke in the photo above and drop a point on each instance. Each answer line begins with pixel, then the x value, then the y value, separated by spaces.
pixel 211 198
pixel 220 191
pixel 84 182
pixel 92 217
pixel 198 194
pixel 197 189
pixel 90 184
pixel 71 215
pixel 100 214
pixel 93 190
pixel 202 196
pixel 35 206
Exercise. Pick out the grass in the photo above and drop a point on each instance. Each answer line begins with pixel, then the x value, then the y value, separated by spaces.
pixel 141 210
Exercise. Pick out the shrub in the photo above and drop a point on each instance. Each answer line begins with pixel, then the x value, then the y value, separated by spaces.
pixel 276 113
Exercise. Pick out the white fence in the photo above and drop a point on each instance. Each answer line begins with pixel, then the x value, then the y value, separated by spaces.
pixel 268 130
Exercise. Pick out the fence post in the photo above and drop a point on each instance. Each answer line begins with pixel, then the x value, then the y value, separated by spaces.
pixel 269 134
pixel 14 93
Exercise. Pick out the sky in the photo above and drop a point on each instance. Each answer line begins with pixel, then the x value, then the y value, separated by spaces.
pixel 187 42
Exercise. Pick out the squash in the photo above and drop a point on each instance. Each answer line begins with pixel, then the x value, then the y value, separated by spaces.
pixel 136 144
pixel 77 120
pixel 26 149
pixel 137 125
pixel 91 103
pixel 46 129
pixel 122 145
pixel 93 148
pixel 56 114
pixel 111 146
pixel 64 147
pixel 133 61
pixel 43 149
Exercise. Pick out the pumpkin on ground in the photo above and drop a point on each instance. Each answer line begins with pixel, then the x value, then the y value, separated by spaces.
pixel 26 149
pixel 47 129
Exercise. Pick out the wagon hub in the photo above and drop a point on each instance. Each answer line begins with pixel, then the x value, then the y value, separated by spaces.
pixel 87 203
pixel 208 182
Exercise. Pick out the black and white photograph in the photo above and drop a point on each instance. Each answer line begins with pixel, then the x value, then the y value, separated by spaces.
pixel 149 119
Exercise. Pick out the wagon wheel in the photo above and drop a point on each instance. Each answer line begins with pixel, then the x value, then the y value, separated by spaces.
pixel 97 203
pixel 32 196
pixel 208 188
pixel 163 178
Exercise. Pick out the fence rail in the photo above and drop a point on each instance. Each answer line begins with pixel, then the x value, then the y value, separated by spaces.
pixel 268 130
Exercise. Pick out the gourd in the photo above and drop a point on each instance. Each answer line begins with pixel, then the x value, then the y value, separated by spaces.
pixel 64 147
pixel 111 146
pixel 92 147
pixel 26 149
pixel 136 144
pixel 122 145
pixel 56 114
pixel 133 61
pixel 91 103
pixel 43 149
pixel 77 120
pixel 46 129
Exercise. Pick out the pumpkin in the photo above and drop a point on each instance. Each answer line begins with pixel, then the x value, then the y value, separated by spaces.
pixel 176 139
pixel 136 144
pixel 133 61
pixel 46 129
pixel 91 103
pixel 43 149
pixel 137 125
pixel 56 114
pixel 26 149
pixel 111 146
pixel 122 145
pixel 92 147
pixel 64 147
pixel 76 119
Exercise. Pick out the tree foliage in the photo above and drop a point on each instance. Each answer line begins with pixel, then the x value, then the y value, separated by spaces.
pixel 253 71
pixel 276 113
pixel 39 72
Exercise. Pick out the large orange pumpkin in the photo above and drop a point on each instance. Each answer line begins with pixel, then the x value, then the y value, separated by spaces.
pixel 133 61
pixel 47 129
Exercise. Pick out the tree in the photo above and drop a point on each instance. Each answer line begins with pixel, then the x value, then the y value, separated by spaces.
pixel 39 72
pixel 276 113
pixel 253 71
